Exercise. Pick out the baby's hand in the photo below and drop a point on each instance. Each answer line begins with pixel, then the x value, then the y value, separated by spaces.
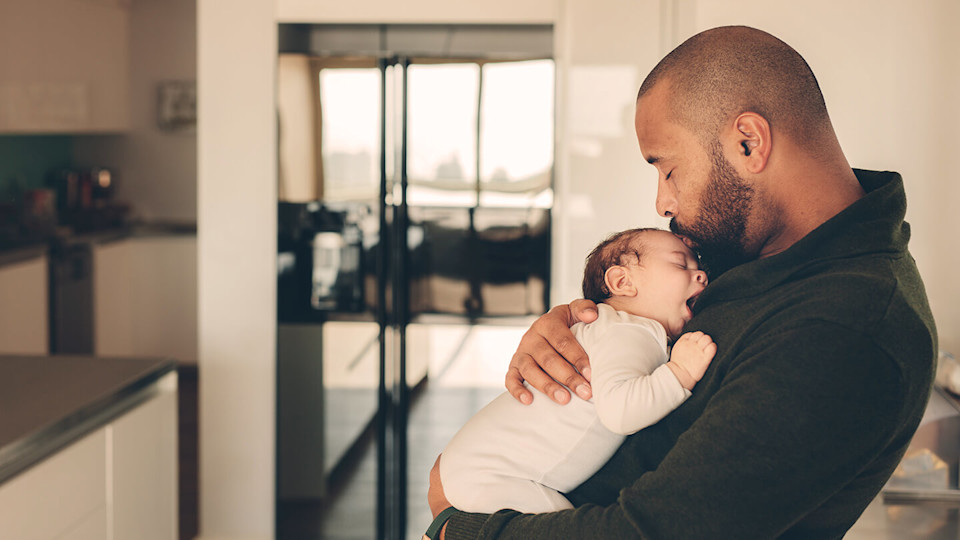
pixel 690 357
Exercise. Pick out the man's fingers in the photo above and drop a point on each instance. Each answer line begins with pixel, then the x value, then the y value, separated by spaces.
pixel 561 370
pixel 549 357
pixel 583 310
pixel 435 495
pixel 562 346
pixel 550 372
pixel 514 384
pixel 526 369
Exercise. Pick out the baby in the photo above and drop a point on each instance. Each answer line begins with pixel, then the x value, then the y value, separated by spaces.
pixel 525 457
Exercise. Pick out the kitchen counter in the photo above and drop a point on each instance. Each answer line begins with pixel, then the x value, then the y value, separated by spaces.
pixel 49 402
pixel 26 252
pixel 136 230
pixel 922 497
pixel 26 249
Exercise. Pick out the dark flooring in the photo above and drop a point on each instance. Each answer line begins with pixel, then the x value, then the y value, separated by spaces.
pixel 465 372
pixel 189 454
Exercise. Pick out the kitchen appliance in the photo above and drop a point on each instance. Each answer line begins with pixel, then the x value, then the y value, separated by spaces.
pixel 320 260
pixel 85 198
pixel 71 298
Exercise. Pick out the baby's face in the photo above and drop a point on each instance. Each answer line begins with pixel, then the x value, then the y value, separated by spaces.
pixel 668 280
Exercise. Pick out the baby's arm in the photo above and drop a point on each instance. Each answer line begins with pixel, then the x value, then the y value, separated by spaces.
pixel 690 357
pixel 632 385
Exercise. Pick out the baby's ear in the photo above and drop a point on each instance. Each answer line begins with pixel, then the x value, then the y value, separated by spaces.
pixel 618 281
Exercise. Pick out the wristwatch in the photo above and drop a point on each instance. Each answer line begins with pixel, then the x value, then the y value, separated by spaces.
pixel 433 531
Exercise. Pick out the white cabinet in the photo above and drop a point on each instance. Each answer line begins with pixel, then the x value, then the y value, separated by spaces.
pixel 48 500
pixel 24 325
pixel 145 297
pixel 117 483
pixel 65 66
pixel 145 470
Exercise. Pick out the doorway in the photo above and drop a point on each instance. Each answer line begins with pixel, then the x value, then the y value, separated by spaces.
pixel 416 188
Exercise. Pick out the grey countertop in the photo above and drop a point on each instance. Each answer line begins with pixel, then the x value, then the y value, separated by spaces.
pixel 27 250
pixel 22 253
pixel 48 402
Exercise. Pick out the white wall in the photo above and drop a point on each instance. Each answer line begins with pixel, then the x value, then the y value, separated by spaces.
pixel 237 247
pixel 64 66
pixel 603 51
pixel 157 169
pixel 419 11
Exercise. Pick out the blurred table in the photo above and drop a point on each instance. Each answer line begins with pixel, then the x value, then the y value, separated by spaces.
pixel 922 499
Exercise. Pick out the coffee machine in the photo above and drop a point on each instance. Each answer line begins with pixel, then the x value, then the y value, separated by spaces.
pixel 320 260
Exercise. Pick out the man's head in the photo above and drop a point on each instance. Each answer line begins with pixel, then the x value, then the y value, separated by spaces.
pixel 646 272
pixel 719 73
pixel 707 117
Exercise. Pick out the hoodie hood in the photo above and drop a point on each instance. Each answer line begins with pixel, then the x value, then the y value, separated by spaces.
pixel 872 225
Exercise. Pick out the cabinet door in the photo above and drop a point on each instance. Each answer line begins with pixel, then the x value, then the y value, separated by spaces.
pixel 113 302
pixel 64 496
pixel 24 325
pixel 145 297
pixel 145 468
pixel 67 69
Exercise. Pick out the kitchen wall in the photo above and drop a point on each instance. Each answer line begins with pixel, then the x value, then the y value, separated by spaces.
pixel 889 72
pixel 158 169
pixel 25 160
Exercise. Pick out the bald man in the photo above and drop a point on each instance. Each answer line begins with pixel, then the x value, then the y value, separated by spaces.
pixel 826 343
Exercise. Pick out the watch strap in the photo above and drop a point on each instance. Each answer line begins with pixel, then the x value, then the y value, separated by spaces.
pixel 433 531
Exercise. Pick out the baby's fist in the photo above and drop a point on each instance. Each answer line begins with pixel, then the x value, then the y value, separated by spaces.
pixel 692 352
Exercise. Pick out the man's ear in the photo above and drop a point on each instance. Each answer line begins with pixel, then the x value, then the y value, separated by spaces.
pixel 753 141
pixel 618 281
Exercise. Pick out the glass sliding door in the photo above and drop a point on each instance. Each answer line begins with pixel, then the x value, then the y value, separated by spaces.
pixel 415 198
pixel 331 306
pixel 394 391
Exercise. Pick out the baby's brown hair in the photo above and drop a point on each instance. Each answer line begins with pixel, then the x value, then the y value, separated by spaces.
pixel 619 248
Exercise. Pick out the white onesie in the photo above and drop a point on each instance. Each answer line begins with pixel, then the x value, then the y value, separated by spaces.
pixel 523 457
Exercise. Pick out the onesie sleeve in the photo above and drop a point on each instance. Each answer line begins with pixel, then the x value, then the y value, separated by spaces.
pixel 632 385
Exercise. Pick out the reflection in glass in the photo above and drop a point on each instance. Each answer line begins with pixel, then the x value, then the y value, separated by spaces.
pixel 442 131
pixel 350 132
pixel 516 119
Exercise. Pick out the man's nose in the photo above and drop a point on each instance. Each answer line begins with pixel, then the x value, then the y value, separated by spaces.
pixel 666 203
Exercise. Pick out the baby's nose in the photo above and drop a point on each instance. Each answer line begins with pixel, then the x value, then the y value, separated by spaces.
pixel 701 277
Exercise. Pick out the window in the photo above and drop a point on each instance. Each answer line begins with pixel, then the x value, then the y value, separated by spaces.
pixel 350 132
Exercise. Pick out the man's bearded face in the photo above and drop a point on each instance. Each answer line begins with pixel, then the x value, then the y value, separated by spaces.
pixel 720 231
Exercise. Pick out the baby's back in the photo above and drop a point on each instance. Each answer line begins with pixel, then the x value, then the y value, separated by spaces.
pixel 543 444
pixel 557 446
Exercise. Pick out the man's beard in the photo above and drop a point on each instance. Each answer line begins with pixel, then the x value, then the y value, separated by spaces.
pixel 720 233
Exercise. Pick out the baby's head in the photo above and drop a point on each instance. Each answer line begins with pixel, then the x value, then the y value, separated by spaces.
pixel 646 272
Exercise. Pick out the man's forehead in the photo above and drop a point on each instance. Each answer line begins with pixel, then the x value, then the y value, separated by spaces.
pixel 655 127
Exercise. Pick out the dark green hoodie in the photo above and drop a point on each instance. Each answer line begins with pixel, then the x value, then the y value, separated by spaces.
pixel 826 359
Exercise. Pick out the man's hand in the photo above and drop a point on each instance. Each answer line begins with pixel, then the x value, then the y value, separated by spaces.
pixel 692 353
pixel 549 353
pixel 436 498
